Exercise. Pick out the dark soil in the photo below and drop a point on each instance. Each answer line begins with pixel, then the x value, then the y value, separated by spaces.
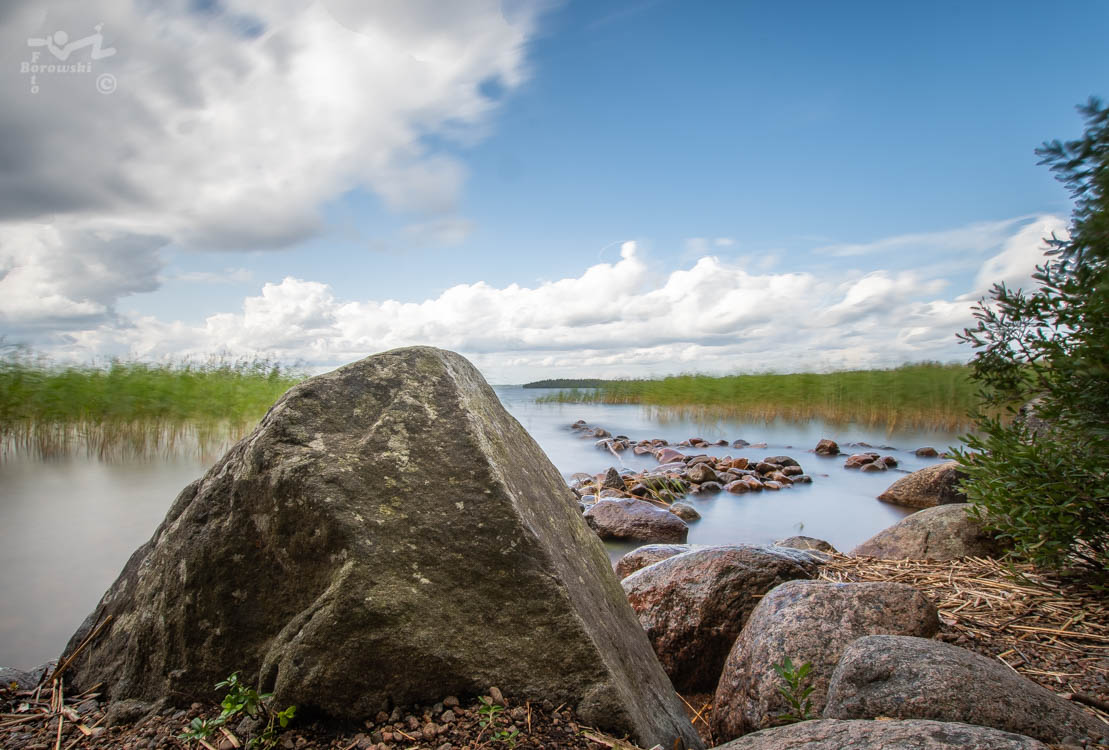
pixel 444 726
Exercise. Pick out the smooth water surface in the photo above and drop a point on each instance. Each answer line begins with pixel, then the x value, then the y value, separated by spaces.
pixel 68 526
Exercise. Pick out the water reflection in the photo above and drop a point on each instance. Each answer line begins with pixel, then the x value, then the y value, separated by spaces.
pixel 68 525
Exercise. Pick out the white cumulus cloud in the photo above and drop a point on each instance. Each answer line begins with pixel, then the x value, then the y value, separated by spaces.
pixel 613 319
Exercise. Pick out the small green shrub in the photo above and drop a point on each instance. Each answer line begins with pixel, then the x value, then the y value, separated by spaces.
pixel 796 691
pixel 492 720
pixel 242 699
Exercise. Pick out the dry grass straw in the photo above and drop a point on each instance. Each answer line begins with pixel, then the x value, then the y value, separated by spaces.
pixel 1052 630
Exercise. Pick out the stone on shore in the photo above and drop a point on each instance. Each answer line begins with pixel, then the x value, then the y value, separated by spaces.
pixel 917 678
pixel 806 542
pixel 635 520
pixel 928 487
pixel 694 605
pixel 808 621
pixel 945 532
pixel 388 535
pixel 648 554
pixel 830 734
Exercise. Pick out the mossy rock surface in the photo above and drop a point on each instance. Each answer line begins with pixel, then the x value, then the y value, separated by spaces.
pixel 388 535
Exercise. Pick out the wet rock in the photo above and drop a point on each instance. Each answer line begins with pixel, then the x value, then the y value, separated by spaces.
pixel 781 461
pixel 806 542
pixel 877 465
pixel 635 520
pixel 740 444
pixel 917 678
pixel 765 467
pixel 685 511
pixel 711 487
pixel 702 473
pixel 928 487
pixel 889 461
pixel 648 554
pixel 830 734
pixel 669 455
pixel 945 532
pixel 802 479
pixel 926 452
pixel 808 621
pixel 827 448
pixel 792 471
pixel 613 480
pixel 780 477
pixel 693 605
pixel 738 463
pixel 772 485
pixel 859 460
pixel 744 484
pixel 301 560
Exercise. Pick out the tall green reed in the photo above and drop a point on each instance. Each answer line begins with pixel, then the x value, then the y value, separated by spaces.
pixel 131 408
pixel 928 395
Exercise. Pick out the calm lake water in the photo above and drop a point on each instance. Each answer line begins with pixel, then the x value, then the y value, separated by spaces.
pixel 67 526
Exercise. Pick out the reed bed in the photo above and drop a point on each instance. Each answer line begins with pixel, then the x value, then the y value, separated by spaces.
pixel 132 409
pixel 919 396
pixel 1051 629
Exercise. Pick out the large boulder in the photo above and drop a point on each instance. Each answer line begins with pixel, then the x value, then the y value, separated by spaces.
pixel 807 621
pixel 693 605
pixel 648 554
pixel 829 734
pixel 388 535
pixel 915 678
pixel 945 532
pixel 635 520
pixel 928 487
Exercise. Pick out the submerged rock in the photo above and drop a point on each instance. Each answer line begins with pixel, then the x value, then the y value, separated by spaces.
pixel 388 535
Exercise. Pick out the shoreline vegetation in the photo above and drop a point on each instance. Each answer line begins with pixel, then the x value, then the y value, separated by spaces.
pixel 130 409
pixel 921 396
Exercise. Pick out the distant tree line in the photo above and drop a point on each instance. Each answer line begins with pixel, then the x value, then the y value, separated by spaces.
pixel 568 383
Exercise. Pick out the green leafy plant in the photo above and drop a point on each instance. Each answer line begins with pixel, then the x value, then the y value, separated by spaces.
pixel 1038 470
pixel 796 691
pixel 492 720
pixel 242 699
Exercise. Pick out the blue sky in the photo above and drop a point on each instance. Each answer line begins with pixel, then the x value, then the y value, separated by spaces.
pixel 803 185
